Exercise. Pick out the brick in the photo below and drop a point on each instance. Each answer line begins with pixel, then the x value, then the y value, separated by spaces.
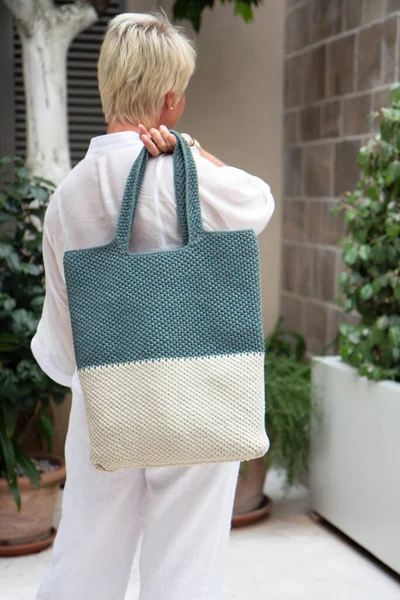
pixel 352 11
pixel 318 170
pixel 381 98
pixel 314 75
pixel 294 220
pixel 289 267
pixel 314 221
pixel 326 19
pixel 332 227
pixel 315 321
pixel 330 119
pixel 373 10
pixel 393 6
pixel 298 29
pixel 291 128
pixel 305 276
pixel 341 66
pixel 310 124
pixel 324 267
pixel 340 267
pixel 292 4
pixel 346 168
pixel 391 31
pixel 355 113
pixel 293 81
pixel 370 58
pixel 293 177
pixel 291 311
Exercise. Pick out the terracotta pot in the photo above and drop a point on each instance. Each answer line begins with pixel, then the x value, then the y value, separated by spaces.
pixel 32 527
pixel 251 505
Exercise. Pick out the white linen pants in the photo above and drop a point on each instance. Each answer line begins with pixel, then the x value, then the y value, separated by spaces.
pixel 183 515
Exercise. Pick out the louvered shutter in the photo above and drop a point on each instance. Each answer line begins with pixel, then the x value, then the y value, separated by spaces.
pixel 85 117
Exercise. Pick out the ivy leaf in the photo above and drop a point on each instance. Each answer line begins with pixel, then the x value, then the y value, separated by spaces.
pixel 367 291
pixel 335 211
pixel 5 250
pixel 397 293
pixel 30 269
pixel 383 323
pixel 13 262
pixel 350 216
pixel 350 255
pixel 373 192
pixel 376 284
pixel 394 336
pixel 354 337
pixel 39 193
pixel 348 305
pixel 8 342
pixel 393 230
pixel 244 10
pixel 363 156
pixel 365 252
pixel 343 278
pixel 395 94
pixel 393 172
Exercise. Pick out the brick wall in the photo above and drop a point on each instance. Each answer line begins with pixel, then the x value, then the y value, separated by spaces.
pixel 341 57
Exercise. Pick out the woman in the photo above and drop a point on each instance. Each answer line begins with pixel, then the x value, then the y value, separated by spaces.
pixel 183 514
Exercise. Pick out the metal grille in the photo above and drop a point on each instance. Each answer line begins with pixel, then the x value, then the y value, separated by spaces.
pixel 85 116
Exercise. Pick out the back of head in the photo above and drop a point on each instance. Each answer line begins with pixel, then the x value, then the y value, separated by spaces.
pixel 142 58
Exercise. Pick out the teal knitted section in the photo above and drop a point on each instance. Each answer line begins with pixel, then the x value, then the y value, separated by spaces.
pixel 200 300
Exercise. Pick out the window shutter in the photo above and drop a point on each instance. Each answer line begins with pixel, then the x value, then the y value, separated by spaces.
pixel 85 116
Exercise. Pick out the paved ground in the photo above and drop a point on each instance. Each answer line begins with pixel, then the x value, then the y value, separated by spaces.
pixel 288 557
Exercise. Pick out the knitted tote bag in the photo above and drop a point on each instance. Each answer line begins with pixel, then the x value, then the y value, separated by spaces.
pixel 169 345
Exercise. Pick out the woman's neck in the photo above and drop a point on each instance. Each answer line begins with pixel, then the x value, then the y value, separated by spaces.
pixel 117 127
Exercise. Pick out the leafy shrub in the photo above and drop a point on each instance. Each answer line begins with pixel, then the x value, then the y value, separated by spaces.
pixel 371 283
pixel 25 391
pixel 193 9
pixel 289 403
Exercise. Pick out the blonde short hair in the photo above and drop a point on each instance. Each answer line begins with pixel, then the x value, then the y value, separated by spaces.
pixel 142 58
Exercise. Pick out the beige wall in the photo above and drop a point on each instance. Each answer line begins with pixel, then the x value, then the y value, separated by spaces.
pixel 235 106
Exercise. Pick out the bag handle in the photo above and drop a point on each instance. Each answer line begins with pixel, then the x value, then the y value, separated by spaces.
pixel 186 193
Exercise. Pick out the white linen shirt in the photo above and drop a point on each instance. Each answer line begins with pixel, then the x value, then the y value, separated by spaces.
pixel 84 210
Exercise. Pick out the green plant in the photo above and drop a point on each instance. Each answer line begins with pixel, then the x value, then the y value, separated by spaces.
pixel 193 9
pixel 25 391
pixel 371 283
pixel 289 403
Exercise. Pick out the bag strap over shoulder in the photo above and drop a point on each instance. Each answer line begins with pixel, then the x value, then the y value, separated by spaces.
pixel 186 193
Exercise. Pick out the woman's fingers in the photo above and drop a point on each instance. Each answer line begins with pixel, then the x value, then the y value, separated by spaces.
pixel 150 146
pixel 157 141
pixel 169 138
pixel 143 130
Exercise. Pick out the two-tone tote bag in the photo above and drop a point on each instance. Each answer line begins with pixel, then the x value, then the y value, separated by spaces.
pixel 169 345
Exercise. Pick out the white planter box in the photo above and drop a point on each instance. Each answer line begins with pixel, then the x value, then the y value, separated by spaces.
pixel 355 458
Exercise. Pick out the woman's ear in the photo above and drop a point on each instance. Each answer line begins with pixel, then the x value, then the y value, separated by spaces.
pixel 169 101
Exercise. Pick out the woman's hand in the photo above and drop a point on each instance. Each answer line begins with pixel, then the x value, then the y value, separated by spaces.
pixel 157 141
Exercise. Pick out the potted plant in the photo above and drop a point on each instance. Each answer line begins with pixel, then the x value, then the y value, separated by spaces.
pixel 28 484
pixel 288 415
pixel 354 475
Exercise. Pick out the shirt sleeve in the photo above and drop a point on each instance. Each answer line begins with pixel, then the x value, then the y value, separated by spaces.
pixel 52 345
pixel 232 199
